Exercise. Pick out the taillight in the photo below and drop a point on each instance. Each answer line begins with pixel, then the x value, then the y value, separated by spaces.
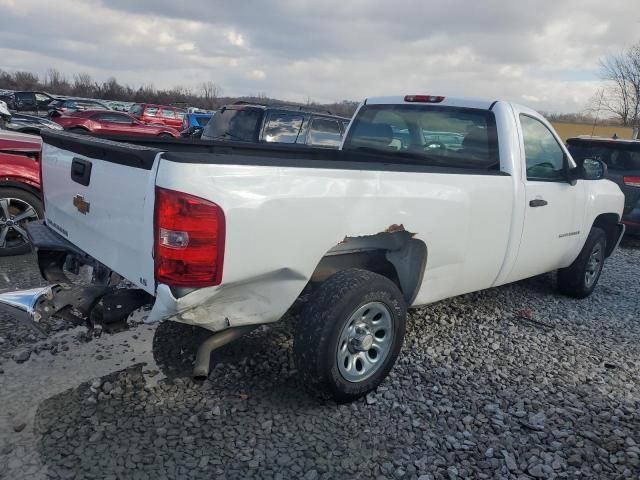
pixel 423 98
pixel 631 181
pixel 189 240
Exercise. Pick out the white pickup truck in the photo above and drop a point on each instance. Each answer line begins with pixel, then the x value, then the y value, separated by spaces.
pixel 429 197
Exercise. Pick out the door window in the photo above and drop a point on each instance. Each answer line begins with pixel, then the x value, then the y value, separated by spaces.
pixel 283 128
pixel 544 157
pixel 168 113
pixel 25 99
pixel 151 111
pixel 325 133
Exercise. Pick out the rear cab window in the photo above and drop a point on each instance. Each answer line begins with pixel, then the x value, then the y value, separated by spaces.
pixel 434 135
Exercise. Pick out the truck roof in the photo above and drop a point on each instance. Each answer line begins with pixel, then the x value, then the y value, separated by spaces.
pixel 464 102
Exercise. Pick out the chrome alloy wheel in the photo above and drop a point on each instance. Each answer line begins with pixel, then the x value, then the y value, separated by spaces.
pixel 594 265
pixel 14 215
pixel 365 342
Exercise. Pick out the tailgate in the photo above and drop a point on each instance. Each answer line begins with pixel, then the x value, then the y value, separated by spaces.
pixel 99 195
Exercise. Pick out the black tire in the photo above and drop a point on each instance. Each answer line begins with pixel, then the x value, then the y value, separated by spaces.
pixel 165 135
pixel 578 280
pixel 321 324
pixel 79 131
pixel 14 244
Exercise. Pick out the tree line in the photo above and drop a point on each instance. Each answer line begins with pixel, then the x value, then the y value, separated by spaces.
pixel 207 95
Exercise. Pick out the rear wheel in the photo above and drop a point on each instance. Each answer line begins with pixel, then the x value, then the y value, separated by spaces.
pixel 165 135
pixel 17 208
pixel 350 334
pixel 581 277
pixel 79 131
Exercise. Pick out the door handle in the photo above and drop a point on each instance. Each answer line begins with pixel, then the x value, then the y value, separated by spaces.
pixel 81 171
pixel 538 202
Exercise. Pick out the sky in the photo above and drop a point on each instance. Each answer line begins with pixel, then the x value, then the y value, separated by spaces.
pixel 541 53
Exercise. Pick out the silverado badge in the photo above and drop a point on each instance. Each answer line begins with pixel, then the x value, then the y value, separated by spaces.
pixel 80 203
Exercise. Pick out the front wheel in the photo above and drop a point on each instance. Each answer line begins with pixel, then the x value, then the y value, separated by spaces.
pixel 17 208
pixel 350 334
pixel 580 278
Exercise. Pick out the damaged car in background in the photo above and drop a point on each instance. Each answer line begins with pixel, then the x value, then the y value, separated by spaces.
pixel 228 235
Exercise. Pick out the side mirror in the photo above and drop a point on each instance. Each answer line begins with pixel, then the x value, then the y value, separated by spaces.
pixel 594 169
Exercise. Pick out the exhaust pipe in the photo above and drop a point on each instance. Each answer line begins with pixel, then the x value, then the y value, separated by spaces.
pixel 217 340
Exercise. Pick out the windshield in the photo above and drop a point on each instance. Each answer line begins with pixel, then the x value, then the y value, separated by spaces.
pixel 234 124
pixel 436 134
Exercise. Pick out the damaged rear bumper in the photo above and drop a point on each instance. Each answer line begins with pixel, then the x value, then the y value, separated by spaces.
pixel 22 305
pixel 98 302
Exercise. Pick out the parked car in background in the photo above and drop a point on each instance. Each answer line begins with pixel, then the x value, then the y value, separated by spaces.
pixel 363 232
pixel 117 106
pixel 29 101
pixel 68 105
pixel 158 114
pixel 193 124
pixel 32 124
pixel 276 124
pixel 20 201
pixel 100 122
pixel 622 158
pixel 5 114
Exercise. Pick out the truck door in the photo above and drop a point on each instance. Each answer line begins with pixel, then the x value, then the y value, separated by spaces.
pixel 554 208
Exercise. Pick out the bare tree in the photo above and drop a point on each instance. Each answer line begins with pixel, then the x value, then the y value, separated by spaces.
pixel 83 84
pixel 210 93
pixel 26 80
pixel 622 90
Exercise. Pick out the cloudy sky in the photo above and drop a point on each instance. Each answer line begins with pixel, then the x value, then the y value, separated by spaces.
pixel 542 53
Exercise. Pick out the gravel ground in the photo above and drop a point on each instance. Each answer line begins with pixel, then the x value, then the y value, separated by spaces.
pixel 513 382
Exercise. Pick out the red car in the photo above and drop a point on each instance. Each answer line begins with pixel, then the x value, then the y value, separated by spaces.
pixel 101 122
pixel 20 200
pixel 158 114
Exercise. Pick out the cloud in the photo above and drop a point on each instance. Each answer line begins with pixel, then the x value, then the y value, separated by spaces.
pixel 541 53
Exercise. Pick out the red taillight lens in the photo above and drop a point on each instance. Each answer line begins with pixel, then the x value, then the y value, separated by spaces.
pixel 423 98
pixel 631 181
pixel 189 240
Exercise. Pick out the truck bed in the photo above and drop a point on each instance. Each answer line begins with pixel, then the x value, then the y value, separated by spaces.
pixel 140 152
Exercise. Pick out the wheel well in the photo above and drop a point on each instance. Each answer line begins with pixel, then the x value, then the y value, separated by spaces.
pixel 609 223
pixel 21 186
pixel 394 254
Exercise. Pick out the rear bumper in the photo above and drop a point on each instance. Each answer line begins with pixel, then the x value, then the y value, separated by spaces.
pixel 22 305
